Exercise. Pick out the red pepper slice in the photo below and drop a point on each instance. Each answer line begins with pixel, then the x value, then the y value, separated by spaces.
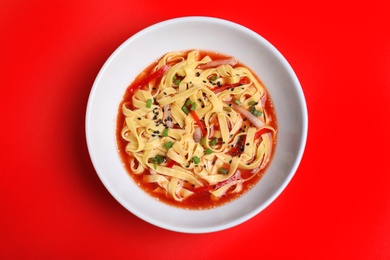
pixel 170 163
pixel 237 149
pixel 158 73
pixel 261 132
pixel 198 121
pixel 229 86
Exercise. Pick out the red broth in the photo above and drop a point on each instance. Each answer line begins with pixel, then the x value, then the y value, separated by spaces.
pixel 202 199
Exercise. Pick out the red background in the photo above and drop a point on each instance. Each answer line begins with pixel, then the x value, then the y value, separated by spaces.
pixel 53 204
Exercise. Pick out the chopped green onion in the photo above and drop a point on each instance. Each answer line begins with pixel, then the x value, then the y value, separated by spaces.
pixel 174 78
pixel 159 159
pixel 255 112
pixel 213 142
pixel 238 102
pixel 252 103
pixel 208 151
pixel 223 171
pixel 196 159
pixel 227 109
pixel 193 106
pixel 168 144
pixel 177 82
pixel 185 110
pixel 188 103
pixel 165 132
pixel 214 77
pixel 149 103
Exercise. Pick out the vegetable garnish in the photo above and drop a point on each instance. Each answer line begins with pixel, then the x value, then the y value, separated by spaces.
pixel 255 112
pixel 230 86
pixel 193 106
pixel 223 171
pixel 185 110
pixel 170 163
pixel 158 159
pixel 213 141
pixel 165 132
pixel 149 103
pixel 213 77
pixel 168 144
pixel 158 73
pixel 189 108
pixel 199 122
pixel 261 132
pixel 196 159
pixel 176 80
pixel 208 151
pixel 227 109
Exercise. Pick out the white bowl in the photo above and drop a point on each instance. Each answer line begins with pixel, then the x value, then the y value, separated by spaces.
pixel 202 33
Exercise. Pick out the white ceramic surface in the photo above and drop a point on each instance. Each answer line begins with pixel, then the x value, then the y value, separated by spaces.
pixel 208 34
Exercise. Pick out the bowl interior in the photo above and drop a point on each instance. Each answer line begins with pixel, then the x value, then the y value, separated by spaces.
pixel 202 33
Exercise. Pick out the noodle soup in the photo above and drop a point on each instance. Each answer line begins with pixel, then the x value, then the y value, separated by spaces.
pixel 196 129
